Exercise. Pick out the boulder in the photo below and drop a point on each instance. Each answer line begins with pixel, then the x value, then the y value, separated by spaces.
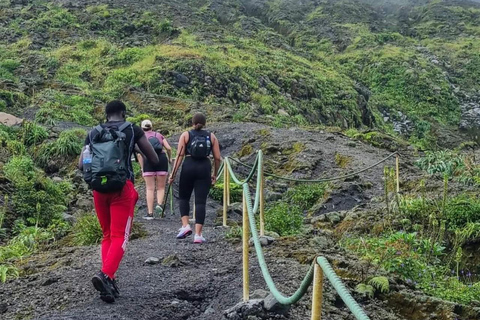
pixel 9 120
pixel 84 204
pixel 246 309
pixel 68 218
pixel 264 240
pixel 271 304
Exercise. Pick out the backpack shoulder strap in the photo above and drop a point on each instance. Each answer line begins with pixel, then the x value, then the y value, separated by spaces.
pixel 98 129
pixel 124 126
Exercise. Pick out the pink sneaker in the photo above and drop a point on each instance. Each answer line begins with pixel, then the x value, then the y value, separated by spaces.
pixel 199 239
pixel 183 232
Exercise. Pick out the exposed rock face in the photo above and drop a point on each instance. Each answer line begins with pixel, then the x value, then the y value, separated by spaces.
pixel 9 120
pixel 470 120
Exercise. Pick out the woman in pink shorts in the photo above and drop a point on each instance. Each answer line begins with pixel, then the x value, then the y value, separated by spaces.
pixel 151 171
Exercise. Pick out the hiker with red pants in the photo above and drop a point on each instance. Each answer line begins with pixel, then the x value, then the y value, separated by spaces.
pixel 107 168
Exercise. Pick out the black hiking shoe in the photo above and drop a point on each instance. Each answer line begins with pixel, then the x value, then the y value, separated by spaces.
pixel 116 291
pixel 103 284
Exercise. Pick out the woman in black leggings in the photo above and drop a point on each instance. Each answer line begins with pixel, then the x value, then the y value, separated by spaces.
pixel 196 145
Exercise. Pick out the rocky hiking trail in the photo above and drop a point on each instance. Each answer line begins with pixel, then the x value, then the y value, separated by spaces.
pixel 192 281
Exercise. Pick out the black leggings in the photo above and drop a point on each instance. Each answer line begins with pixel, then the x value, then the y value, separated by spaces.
pixel 196 175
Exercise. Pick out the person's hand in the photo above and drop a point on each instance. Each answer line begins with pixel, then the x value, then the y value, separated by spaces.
pixel 171 179
pixel 214 180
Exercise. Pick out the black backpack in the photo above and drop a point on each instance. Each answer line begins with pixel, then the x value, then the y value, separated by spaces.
pixel 109 168
pixel 199 144
pixel 156 143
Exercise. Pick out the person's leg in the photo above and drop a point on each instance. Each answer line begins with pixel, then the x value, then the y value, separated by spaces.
pixel 202 188
pixel 122 209
pixel 102 208
pixel 187 179
pixel 150 190
pixel 185 192
pixel 100 281
pixel 161 182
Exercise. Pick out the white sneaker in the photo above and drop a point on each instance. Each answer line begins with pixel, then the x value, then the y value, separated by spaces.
pixel 183 232
pixel 199 239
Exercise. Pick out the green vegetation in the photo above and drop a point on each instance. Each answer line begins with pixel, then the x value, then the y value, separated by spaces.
pixel 236 192
pixel 303 63
pixel 306 195
pixel 460 166
pixel 234 234
pixel 27 241
pixel 423 238
pixel 284 219
pixel 86 230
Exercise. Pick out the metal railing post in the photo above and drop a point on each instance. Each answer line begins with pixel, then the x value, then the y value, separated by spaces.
pixel 228 186
pixel 225 195
pixel 246 280
pixel 317 297
pixel 262 194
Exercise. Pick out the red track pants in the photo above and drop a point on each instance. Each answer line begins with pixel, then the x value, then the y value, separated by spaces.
pixel 115 214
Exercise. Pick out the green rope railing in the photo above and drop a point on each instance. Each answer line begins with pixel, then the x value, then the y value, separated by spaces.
pixel 341 290
pixel 306 282
pixel 263 264
pixel 319 180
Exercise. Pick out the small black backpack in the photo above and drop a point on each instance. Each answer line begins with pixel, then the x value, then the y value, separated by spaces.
pixel 156 143
pixel 199 144
pixel 109 168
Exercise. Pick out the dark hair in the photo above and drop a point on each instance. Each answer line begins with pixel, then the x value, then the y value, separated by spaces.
pixel 199 121
pixel 115 107
pixel 147 129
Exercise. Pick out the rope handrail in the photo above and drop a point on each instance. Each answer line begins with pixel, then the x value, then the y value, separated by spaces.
pixel 322 261
pixel 319 180
pixel 341 290
pixel 300 292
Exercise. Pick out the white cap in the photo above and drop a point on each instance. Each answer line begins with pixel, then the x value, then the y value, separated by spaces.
pixel 146 124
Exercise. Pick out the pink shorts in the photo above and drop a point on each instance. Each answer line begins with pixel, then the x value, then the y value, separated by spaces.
pixel 155 174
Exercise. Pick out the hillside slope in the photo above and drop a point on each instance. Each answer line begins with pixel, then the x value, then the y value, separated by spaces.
pixel 410 67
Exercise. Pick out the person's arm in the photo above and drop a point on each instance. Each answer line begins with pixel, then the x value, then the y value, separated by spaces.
pixel 167 147
pixel 217 157
pixel 182 144
pixel 147 150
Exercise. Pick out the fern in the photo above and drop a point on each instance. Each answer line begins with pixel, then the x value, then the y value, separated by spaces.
pixel 365 289
pixel 380 283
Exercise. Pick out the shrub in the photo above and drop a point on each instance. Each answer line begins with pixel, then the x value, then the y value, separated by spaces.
pixel 306 195
pixel 236 192
pixel 19 167
pixel 69 144
pixel 33 134
pixel 284 219
pixel 37 200
pixel 87 231
pixel 461 210
pixel 445 162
